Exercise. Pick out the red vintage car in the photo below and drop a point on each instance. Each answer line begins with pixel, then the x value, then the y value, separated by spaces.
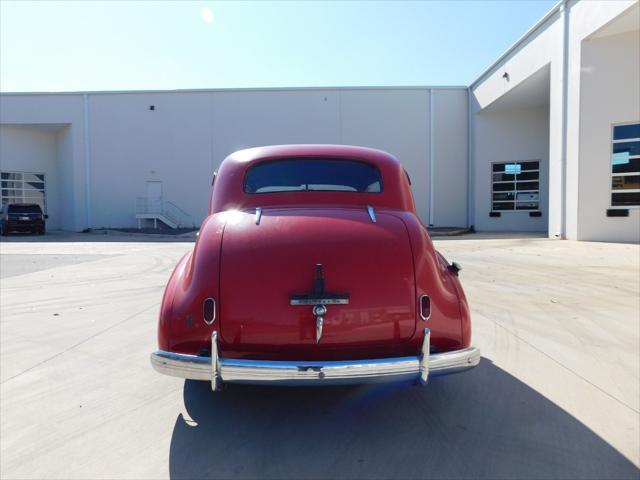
pixel 313 268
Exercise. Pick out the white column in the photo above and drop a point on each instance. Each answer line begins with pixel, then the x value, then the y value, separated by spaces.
pixel 558 133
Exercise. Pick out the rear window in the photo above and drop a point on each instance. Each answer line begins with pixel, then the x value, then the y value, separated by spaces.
pixel 317 175
pixel 24 209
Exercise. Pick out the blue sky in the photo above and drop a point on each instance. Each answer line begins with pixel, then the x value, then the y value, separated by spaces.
pixel 121 45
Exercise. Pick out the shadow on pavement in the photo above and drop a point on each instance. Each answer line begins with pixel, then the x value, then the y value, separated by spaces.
pixel 481 424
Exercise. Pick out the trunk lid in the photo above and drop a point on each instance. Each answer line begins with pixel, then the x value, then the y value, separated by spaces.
pixel 265 265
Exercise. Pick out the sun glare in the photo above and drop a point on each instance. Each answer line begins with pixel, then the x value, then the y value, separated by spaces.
pixel 207 15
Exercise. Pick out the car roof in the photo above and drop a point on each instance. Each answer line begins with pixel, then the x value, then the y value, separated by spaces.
pixel 228 192
pixel 257 154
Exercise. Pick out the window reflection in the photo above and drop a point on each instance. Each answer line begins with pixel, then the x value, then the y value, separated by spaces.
pixel 625 165
pixel 515 186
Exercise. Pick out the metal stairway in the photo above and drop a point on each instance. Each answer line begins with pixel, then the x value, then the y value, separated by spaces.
pixel 164 211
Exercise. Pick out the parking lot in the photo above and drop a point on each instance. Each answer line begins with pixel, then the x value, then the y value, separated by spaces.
pixel 557 393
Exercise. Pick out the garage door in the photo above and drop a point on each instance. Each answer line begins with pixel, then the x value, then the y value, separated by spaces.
pixel 23 187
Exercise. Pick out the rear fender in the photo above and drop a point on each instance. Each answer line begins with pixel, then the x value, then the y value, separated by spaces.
pixel 465 314
pixel 449 320
pixel 166 307
pixel 196 277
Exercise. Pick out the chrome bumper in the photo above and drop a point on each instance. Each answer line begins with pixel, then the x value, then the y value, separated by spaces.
pixel 228 370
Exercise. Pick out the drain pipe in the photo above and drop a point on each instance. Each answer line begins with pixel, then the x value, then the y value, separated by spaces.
pixel 431 159
pixel 470 164
pixel 87 160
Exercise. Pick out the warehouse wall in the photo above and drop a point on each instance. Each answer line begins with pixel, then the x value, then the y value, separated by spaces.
pixel 131 144
pixel 610 95
pixel 540 51
pixel 450 152
pixel 586 20
pixel 396 121
pixel 71 187
pixel 33 150
pixel 557 43
pixel 62 114
pixel 515 135
pixel 184 139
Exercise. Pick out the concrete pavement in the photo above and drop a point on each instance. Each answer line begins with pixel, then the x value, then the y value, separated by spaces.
pixel 556 395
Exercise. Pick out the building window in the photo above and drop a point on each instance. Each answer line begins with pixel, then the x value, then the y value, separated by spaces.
pixel 20 187
pixel 625 165
pixel 515 186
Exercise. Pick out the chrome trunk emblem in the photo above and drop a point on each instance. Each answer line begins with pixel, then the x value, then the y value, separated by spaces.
pixel 319 298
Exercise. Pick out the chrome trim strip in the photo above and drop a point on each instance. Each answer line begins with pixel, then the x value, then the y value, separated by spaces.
pixel 214 310
pixel 372 213
pixel 258 215
pixel 313 373
pixel 420 307
pixel 319 301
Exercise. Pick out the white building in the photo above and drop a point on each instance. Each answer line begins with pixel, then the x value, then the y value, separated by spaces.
pixel 547 139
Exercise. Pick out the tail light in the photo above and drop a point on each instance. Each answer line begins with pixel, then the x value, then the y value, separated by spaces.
pixel 425 307
pixel 209 310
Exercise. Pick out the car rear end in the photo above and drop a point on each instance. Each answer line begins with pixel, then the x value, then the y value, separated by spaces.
pixel 24 218
pixel 327 291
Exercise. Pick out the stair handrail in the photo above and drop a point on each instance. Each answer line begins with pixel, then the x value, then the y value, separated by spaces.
pixel 166 208
pixel 178 215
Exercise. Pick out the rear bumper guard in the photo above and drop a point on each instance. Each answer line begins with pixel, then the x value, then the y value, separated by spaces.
pixel 229 370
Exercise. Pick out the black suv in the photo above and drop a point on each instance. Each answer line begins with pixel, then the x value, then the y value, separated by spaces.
pixel 22 217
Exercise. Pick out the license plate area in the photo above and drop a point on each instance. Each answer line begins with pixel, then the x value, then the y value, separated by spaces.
pixel 23 218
